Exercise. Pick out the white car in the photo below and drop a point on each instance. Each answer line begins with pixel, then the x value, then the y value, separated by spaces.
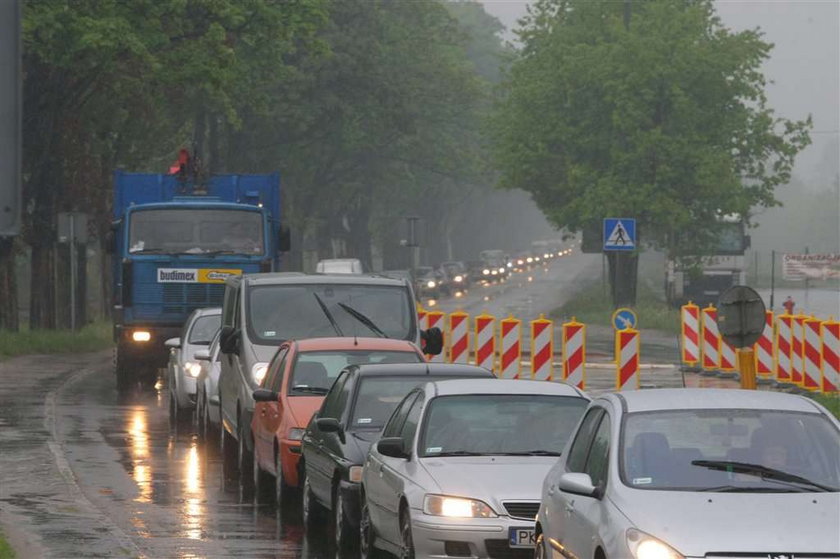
pixel 459 466
pixel 183 368
pixel 696 473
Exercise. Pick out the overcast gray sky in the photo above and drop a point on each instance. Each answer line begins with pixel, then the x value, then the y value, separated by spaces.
pixel 804 66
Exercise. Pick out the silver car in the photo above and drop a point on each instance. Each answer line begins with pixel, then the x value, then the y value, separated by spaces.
pixel 207 414
pixel 681 473
pixel 459 466
pixel 183 368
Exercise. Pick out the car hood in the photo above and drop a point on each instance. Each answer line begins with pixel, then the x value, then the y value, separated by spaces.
pixel 764 523
pixel 492 479
pixel 302 408
pixel 358 444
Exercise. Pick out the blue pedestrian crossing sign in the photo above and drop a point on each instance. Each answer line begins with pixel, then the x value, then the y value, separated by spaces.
pixel 619 233
pixel 624 318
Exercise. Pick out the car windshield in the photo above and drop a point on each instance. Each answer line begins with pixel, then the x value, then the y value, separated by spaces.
pixel 315 371
pixel 499 424
pixel 377 397
pixel 284 312
pixel 706 450
pixel 204 328
pixel 196 231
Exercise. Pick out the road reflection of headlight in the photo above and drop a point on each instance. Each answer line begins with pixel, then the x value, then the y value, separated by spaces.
pixel 139 435
pixel 432 302
pixel 193 508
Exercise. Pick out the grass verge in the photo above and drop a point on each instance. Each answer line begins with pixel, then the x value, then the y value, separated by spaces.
pixel 592 306
pixel 90 338
pixel 6 551
pixel 830 401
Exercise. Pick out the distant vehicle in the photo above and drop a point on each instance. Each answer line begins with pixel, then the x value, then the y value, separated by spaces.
pixel 175 239
pixel 429 282
pixel 299 376
pixel 340 266
pixel 350 419
pixel 678 473
pixel 457 273
pixel 399 274
pixel 207 390
pixel 465 457
pixel 475 269
pixel 495 264
pixel 183 368
pixel 261 311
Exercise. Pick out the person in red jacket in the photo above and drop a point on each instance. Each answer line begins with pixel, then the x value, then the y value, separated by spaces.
pixel 788 305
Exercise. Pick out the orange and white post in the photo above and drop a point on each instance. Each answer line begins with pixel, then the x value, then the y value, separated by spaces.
pixel 459 332
pixel 627 347
pixel 510 359
pixel 690 325
pixel 485 341
pixel 542 349
pixel 764 363
pixel 830 356
pixel 435 319
pixel 728 359
pixel 574 353
pixel 710 344
pixel 784 349
pixel 812 362
pixel 797 358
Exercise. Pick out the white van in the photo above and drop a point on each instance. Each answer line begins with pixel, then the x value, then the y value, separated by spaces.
pixel 340 266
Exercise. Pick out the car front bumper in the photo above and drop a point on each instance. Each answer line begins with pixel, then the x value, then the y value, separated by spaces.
pixel 289 461
pixel 485 537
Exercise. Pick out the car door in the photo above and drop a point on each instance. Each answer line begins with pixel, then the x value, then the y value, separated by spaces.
pixel 227 381
pixel 316 458
pixel 267 414
pixel 582 514
pixel 559 504
pixel 397 472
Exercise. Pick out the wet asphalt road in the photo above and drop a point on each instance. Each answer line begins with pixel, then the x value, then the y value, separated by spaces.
pixel 90 474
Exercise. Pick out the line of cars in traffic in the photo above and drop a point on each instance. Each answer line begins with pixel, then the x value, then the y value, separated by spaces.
pixel 315 386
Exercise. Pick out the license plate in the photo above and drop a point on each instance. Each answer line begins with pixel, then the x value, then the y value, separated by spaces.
pixel 521 537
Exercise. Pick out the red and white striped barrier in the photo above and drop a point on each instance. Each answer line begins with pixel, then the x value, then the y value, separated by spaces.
pixel 830 356
pixel 485 341
pixel 797 357
pixel 434 319
pixel 510 363
pixel 784 349
pixel 574 353
pixel 763 349
pixel 812 363
pixel 459 332
pixel 690 319
pixel 728 359
pixel 542 349
pixel 421 320
pixel 710 341
pixel 627 360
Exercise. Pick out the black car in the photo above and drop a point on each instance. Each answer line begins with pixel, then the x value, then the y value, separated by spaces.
pixel 351 418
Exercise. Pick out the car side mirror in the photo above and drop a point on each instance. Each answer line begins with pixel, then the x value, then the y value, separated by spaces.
pixel 433 338
pixel 202 355
pixel 284 240
pixel 263 395
pixel 173 343
pixel 328 424
pixel 391 446
pixel 228 339
pixel 577 484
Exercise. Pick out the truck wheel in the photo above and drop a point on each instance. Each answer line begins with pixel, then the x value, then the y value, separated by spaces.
pixel 124 370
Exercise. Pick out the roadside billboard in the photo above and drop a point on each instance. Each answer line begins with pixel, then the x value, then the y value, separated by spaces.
pixel 799 267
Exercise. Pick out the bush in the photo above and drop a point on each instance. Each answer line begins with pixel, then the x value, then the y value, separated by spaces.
pixel 90 338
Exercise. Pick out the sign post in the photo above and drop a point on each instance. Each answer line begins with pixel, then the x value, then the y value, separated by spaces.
pixel 72 229
pixel 741 319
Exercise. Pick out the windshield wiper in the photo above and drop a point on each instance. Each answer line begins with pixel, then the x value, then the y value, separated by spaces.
pixel 529 453
pixel 742 489
pixel 363 319
pixel 329 315
pixel 312 389
pixel 456 453
pixel 761 471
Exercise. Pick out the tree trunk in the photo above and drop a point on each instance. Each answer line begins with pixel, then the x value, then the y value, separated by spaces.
pixel 42 294
pixel 8 286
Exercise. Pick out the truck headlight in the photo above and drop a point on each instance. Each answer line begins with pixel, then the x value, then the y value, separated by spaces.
pixel 141 336
pixel 258 371
pixel 456 507
pixel 645 546
pixel 192 368
pixel 431 284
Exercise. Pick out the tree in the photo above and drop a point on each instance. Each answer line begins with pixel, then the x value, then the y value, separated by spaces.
pixel 647 109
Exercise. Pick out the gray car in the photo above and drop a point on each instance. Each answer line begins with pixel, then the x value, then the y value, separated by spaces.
pixel 459 467
pixel 207 415
pixel 688 473
pixel 183 368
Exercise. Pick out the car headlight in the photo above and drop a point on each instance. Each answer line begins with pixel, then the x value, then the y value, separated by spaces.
pixel 459 279
pixel 502 270
pixel 456 507
pixel 494 272
pixel 530 259
pixel 485 271
pixel 192 368
pixel 296 434
pixel 258 371
pixel 520 262
pixel 354 474
pixel 431 284
pixel 510 264
pixel 645 546
pixel 545 256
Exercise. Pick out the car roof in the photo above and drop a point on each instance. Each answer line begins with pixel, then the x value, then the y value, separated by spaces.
pixel 420 369
pixel 292 278
pixel 663 399
pixel 503 386
pixel 351 344
pixel 338 260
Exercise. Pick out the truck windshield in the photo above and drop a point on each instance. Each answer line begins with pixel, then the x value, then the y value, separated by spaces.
pixel 284 312
pixel 196 231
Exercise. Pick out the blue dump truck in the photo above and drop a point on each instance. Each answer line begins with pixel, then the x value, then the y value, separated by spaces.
pixel 175 239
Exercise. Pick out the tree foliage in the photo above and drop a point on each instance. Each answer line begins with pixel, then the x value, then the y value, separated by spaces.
pixel 650 109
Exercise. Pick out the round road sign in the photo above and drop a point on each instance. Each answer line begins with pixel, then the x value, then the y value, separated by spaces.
pixel 624 318
pixel 741 316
